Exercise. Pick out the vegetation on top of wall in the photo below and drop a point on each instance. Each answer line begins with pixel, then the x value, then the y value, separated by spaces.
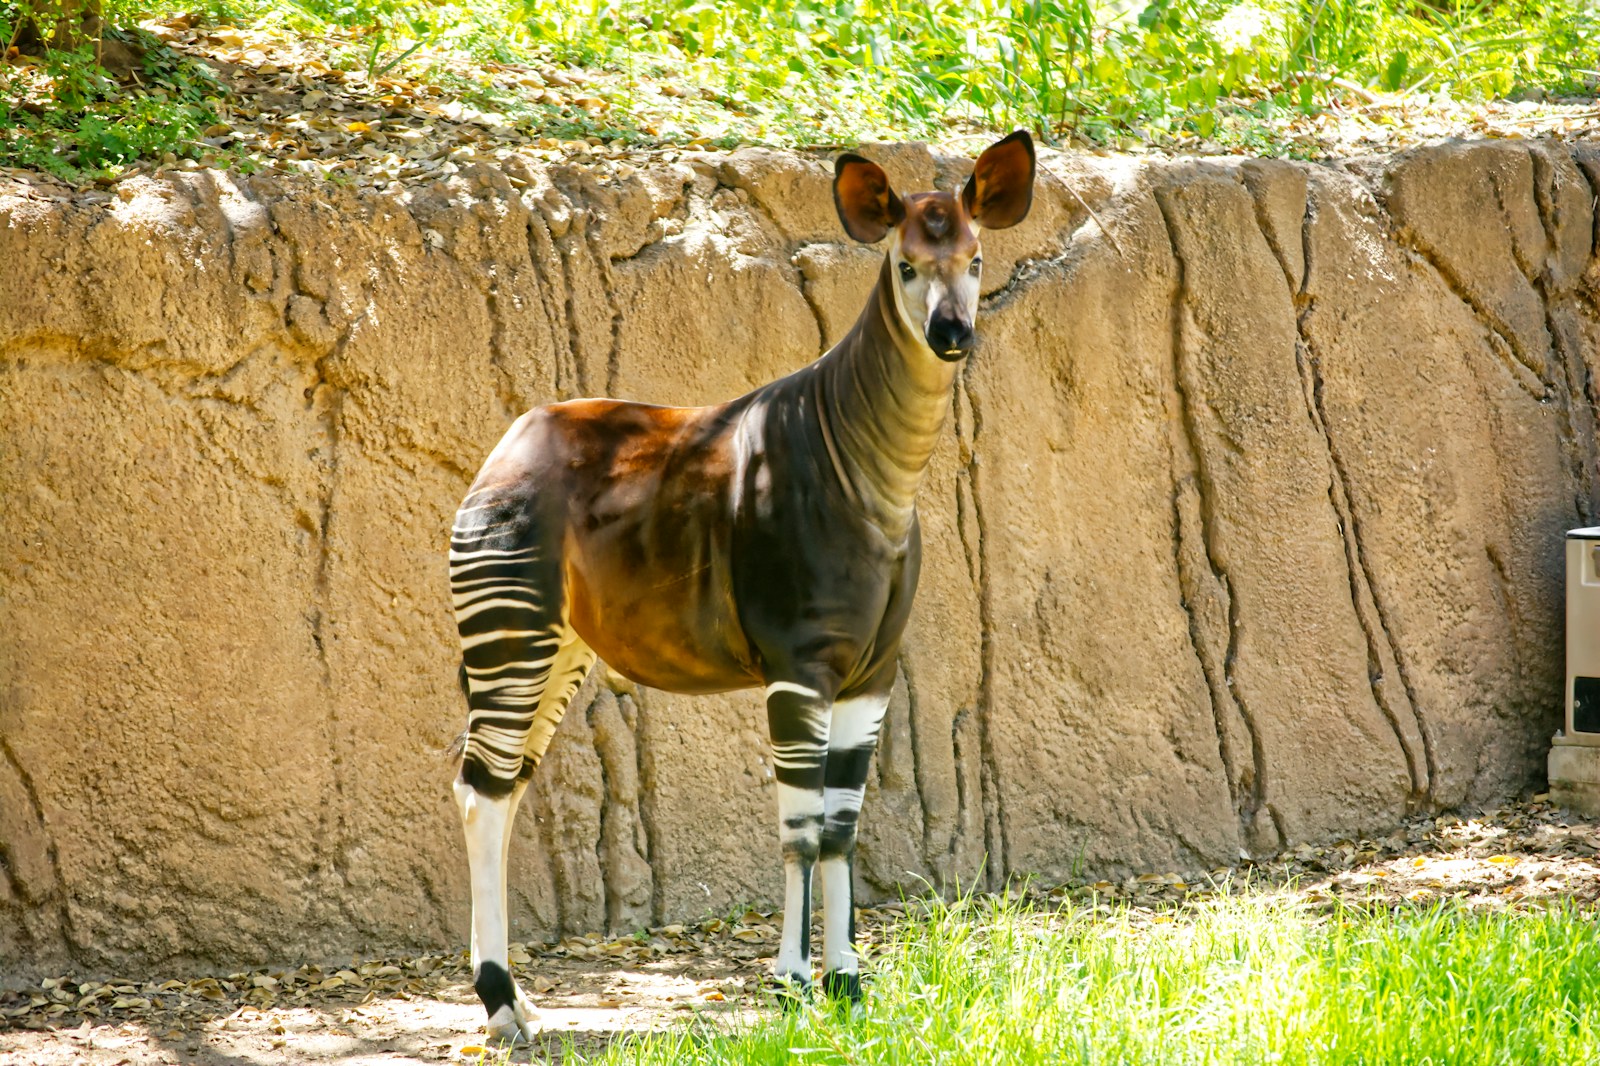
pixel 84 90
pixel 1101 70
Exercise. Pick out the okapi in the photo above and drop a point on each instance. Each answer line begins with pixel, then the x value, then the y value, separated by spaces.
pixel 770 541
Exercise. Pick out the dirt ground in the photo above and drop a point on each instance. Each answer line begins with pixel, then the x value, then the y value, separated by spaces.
pixel 593 990
pixel 590 990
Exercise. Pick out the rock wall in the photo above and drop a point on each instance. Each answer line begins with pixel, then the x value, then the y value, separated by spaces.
pixel 1247 530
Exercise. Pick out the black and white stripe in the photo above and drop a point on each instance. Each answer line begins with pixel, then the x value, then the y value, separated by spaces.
pixel 520 662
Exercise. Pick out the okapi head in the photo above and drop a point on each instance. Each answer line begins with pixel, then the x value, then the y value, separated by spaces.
pixel 934 256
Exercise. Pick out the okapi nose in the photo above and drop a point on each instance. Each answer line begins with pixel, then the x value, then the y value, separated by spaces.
pixel 951 338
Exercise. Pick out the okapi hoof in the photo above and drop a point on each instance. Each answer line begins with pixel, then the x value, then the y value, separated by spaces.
pixel 509 1032
pixel 512 1027
pixel 836 984
pixel 511 1017
pixel 791 989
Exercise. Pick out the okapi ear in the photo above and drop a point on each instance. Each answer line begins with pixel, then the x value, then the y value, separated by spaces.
pixel 867 206
pixel 1000 190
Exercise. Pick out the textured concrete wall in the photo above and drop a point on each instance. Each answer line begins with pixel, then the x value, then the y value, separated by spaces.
pixel 1246 530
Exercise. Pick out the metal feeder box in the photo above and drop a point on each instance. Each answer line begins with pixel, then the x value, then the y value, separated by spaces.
pixel 1575 754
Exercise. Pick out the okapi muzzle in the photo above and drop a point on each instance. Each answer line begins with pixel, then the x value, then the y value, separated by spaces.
pixel 934 251
pixel 950 334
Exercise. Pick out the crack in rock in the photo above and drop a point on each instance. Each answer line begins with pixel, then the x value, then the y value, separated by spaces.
pixel 998 868
pixel 591 232
pixel 57 892
pixel 1248 784
pixel 1502 339
pixel 632 709
pixel 1364 590
pixel 933 857
pixel 1418 767
pixel 1578 445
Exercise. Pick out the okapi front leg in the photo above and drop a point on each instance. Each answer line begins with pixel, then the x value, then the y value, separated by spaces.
pixel 797 718
pixel 853 735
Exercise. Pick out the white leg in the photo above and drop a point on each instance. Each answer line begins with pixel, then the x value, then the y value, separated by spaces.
pixel 527 1018
pixel 799 816
pixel 797 719
pixel 853 736
pixel 487 820
pixel 838 931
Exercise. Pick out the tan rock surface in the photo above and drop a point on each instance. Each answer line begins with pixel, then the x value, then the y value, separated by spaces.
pixel 1246 531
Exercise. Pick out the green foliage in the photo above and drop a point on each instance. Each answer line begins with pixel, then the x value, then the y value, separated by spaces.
pixel 822 72
pixel 394 29
pixel 1239 981
pixel 1100 68
pixel 92 124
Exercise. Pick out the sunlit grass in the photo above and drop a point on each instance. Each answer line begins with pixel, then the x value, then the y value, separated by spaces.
pixel 1250 979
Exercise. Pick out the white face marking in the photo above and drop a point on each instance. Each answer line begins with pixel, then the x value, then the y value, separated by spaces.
pixel 919 296
pixel 910 296
pixel 966 286
pixel 933 298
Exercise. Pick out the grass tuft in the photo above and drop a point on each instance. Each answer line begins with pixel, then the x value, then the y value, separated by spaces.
pixel 1246 979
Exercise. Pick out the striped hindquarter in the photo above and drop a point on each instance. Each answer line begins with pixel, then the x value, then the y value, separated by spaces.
pixel 521 664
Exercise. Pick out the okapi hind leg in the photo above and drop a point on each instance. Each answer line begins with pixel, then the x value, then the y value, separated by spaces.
pixel 521 664
pixel 852 738
pixel 487 819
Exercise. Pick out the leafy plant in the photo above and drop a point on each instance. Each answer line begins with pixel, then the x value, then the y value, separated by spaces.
pixel 64 114
pixel 1091 66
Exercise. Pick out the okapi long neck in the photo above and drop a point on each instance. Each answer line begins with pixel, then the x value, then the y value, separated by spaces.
pixel 884 397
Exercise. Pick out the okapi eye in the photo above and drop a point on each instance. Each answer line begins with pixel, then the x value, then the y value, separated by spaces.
pixel 976 268
pixel 907 272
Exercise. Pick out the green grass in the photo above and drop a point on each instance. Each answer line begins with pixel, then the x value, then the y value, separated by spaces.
pixel 93 124
pixel 1240 980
